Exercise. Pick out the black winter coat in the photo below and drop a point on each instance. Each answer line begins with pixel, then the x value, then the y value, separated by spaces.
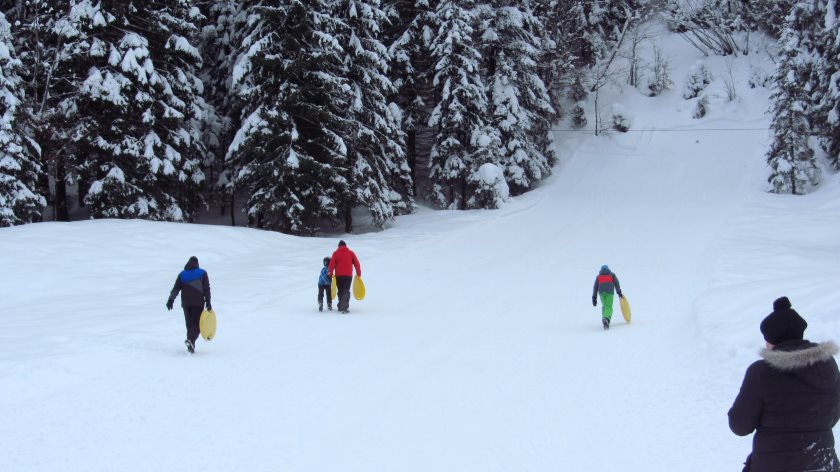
pixel 194 285
pixel 791 399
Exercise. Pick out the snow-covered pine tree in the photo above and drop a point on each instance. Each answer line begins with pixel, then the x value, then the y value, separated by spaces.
pixel 701 107
pixel 221 44
pixel 767 16
pixel 828 71
pixel 138 110
pixel 290 151
pixel 560 45
pixel 579 115
pixel 461 112
pixel 46 85
pixel 19 170
pixel 486 182
pixel 791 159
pixel 520 107
pixel 380 179
pixel 698 79
pixel 597 23
pixel 411 73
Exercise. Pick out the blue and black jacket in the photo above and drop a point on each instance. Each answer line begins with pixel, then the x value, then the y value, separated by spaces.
pixel 323 279
pixel 194 285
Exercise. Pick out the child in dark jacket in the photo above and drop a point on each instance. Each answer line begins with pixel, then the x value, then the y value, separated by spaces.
pixel 606 285
pixel 324 286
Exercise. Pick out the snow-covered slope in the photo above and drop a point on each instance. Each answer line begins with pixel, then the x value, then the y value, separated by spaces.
pixel 477 347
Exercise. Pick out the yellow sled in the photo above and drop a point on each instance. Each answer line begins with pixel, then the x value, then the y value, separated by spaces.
pixel 625 308
pixel 334 289
pixel 358 288
pixel 207 324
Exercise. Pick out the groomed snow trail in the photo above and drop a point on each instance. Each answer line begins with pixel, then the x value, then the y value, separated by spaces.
pixel 477 348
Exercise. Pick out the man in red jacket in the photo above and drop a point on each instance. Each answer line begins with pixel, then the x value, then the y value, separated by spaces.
pixel 341 264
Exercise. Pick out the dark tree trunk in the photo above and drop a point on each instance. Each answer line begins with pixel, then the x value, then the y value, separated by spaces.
pixel 348 219
pixel 491 62
pixel 232 213
pixel 83 188
pixel 44 187
pixel 61 212
pixel 411 155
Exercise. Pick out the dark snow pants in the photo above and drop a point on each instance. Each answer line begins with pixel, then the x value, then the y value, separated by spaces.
pixel 343 283
pixel 192 315
pixel 322 289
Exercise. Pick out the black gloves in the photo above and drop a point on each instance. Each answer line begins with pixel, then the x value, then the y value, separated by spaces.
pixel 209 308
pixel 594 301
pixel 620 295
pixel 169 304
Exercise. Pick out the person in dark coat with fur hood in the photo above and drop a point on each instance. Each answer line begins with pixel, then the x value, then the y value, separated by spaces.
pixel 790 398
pixel 194 285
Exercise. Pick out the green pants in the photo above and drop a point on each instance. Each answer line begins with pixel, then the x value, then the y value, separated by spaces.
pixel 606 304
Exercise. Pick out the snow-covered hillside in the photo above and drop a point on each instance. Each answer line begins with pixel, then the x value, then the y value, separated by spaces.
pixel 477 347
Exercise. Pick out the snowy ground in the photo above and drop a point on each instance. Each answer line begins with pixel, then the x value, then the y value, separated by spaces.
pixel 477 347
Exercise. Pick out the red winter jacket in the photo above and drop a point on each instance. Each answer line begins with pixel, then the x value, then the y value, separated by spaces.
pixel 342 262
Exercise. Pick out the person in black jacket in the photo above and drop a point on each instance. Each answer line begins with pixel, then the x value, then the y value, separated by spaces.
pixel 194 285
pixel 790 398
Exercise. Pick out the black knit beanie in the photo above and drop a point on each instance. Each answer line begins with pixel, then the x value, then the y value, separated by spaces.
pixel 784 324
pixel 341 243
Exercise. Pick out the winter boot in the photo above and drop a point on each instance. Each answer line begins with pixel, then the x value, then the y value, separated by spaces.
pixel 190 346
pixel 321 307
pixel 606 322
pixel 329 306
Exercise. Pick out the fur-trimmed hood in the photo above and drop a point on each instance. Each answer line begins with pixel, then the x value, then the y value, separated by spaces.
pixel 811 362
pixel 802 355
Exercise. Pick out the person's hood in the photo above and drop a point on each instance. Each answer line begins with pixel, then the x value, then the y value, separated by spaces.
pixel 192 263
pixel 810 362
pixel 604 271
